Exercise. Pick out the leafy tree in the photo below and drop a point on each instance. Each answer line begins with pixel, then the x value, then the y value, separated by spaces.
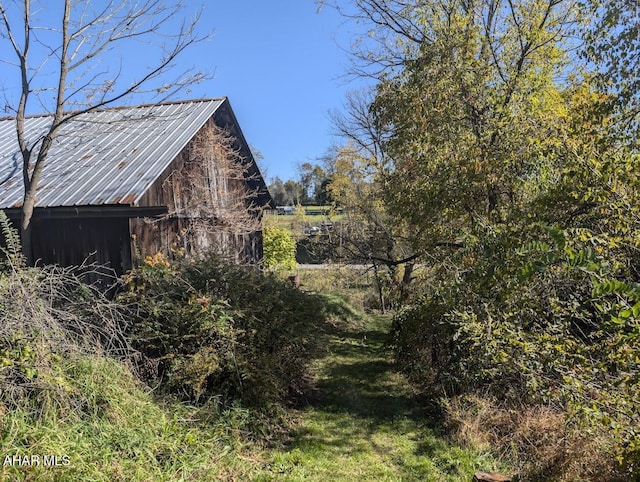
pixel 310 188
pixel 368 233
pixel 311 178
pixel 279 193
pixel 612 44
pixel 462 114
pixel 324 197
pixel 294 191
pixel 502 153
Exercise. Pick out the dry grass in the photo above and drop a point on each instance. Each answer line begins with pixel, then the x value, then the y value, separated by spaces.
pixel 354 284
pixel 47 316
pixel 535 440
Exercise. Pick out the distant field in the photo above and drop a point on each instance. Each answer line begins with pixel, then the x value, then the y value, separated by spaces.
pixel 299 220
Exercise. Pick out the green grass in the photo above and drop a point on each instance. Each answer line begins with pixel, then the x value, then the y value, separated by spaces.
pixel 115 430
pixel 362 421
pixel 355 285
pixel 366 423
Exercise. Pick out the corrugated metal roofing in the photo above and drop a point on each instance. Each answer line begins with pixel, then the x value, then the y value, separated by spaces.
pixel 104 157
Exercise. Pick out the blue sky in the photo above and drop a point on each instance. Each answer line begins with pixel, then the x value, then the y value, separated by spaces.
pixel 282 66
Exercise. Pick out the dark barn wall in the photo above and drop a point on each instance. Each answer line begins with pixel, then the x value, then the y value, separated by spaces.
pixel 75 241
pixel 72 241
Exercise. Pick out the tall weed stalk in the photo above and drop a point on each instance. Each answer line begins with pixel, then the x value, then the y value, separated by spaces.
pixel 48 315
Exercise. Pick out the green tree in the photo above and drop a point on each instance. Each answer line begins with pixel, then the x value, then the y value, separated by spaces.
pixel 279 249
pixel 473 111
pixel 279 193
pixel 294 191
pixel 311 178
pixel 367 232
pixel 503 153
pixel 612 43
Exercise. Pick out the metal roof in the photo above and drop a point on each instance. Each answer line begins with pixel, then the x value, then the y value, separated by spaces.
pixel 110 156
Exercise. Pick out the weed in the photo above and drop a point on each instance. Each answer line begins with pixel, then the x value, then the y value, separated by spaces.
pixel 116 431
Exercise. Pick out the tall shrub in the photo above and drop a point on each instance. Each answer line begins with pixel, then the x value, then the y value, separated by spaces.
pixel 279 249
pixel 222 330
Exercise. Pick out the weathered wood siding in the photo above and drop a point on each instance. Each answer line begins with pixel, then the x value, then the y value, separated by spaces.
pixel 179 232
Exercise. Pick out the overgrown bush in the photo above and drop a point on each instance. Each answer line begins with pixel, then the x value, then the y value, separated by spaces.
pixel 47 317
pixel 552 323
pixel 279 249
pixel 221 330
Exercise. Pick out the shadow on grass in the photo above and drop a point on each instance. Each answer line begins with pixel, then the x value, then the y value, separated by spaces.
pixel 357 376
pixel 363 420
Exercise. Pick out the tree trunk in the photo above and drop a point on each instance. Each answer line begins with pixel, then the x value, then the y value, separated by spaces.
pixel 26 231
pixel 406 281
pixel 379 286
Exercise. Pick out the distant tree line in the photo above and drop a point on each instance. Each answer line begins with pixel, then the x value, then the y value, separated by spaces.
pixel 309 188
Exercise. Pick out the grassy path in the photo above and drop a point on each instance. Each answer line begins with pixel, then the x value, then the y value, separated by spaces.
pixel 365 422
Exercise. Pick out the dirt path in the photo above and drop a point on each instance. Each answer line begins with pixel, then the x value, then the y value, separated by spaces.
pixel 365 423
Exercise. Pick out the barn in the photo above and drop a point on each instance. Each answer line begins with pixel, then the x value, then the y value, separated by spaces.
pixel 119 184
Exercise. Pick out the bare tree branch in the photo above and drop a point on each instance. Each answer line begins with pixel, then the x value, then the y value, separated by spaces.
pixel 87 36
pixel 211 191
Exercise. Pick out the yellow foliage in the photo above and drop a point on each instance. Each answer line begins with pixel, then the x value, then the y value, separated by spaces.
pixel 157 260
